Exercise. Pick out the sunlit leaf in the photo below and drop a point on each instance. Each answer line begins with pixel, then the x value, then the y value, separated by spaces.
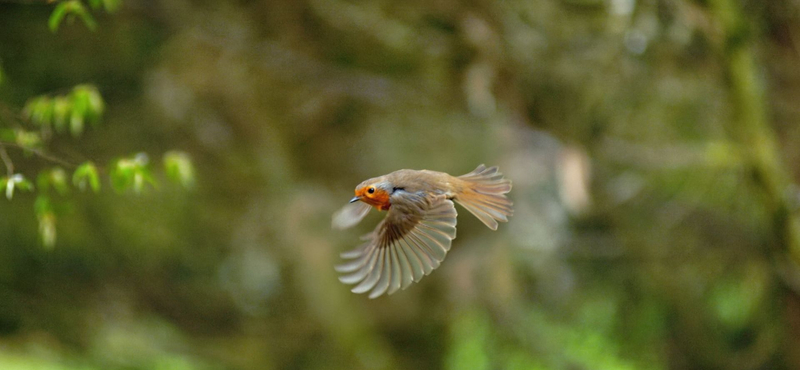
pixel 46 216
pixel 127 173
pixel 27 139
pixel 78 114
pixel 85 16
pixel 61 113
pixel 39 110
pixel 86 176
pixel 57 16
pixel 55 177
pixel 179 168
pixel 47 229
pixel 58 178
pixel 89 101
pixel 70 8
pixel 94 101
pixel 13 182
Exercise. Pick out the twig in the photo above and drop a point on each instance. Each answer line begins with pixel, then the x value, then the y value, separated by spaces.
pixel 38 153
pixel 6 159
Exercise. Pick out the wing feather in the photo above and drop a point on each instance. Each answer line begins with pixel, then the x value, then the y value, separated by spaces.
pixel 350 215
pixel 408 244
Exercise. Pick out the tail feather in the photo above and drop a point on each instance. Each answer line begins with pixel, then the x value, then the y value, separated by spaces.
pixel 483 195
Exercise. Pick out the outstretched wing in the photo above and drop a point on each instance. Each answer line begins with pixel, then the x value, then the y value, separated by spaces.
pixel 350 215
pixel 408 244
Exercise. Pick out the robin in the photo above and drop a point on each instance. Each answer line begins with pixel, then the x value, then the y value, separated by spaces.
pixel 414 237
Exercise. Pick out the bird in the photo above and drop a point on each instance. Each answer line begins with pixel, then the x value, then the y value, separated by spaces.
pixel 420 224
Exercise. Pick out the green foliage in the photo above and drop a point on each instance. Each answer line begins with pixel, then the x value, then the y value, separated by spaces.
pixel 132 173
pixel 46 216
pixel 86 176
pixel 83 104
pixel 15 181
pixel 179 168
pixel 69 10
pixel 27 140
pixel 294 103
pixel 72 111
pixel 56 178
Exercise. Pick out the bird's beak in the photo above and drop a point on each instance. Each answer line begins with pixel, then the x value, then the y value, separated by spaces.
pixel 355 199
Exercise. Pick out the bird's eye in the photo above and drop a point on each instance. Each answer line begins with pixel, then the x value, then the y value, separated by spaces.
pixel 371 190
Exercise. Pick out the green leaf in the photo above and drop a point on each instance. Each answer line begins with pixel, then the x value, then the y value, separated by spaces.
pixel 86 176
pixel 127 173
pixel 46 216
pixel 2 74
pixel 27 139
pixel 13 182
pixel 88 98
pixel 179 168
pixel 70 8
pixel 39 110
pixel 58 178
pixel 78 114
pixel 61 112
pixel 85 16
pixel 55 177
pixel 57 16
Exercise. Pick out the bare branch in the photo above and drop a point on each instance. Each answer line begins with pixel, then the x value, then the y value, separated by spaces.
pixel 39 153
pixel 6 159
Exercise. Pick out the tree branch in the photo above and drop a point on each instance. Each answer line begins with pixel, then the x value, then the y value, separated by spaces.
pixel 39 153
pixel 6 159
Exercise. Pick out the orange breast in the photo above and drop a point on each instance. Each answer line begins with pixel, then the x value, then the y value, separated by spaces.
pixel 379 199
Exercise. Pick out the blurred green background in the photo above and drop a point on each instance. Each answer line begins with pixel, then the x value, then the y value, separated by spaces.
pixel 653 146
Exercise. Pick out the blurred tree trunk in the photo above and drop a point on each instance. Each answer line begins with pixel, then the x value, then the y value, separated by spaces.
pixel 751 129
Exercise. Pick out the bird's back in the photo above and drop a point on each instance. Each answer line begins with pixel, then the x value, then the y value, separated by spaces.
pixel 423 180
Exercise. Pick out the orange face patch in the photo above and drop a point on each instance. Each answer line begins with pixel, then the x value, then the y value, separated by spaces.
pixel 374 196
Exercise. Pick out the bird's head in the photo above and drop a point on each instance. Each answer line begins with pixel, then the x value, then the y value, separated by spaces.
pixel 374 192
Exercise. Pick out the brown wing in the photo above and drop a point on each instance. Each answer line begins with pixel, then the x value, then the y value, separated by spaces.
pixel 408 244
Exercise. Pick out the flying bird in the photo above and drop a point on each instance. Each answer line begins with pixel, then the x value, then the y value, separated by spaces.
pixel 420 223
